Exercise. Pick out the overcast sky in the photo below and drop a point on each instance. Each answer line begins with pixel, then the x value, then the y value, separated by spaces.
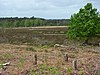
pixel 50 9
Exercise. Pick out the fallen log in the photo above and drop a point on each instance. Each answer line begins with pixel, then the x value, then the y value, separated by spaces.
pixel 5 64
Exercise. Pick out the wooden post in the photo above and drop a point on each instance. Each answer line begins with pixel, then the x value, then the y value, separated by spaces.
pixel 66 57
pixel 35 57
pixel 75 65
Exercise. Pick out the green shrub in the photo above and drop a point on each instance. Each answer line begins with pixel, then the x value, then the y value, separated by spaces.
pixel 85 23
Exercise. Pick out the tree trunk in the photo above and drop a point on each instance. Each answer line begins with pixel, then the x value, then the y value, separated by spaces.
pixel 86 42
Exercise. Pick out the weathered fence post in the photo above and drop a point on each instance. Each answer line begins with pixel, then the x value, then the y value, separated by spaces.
pixel 34 59
pixel 66 57
pixel 75 65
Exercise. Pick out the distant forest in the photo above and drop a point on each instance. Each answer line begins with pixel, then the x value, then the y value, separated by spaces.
pixel 31 22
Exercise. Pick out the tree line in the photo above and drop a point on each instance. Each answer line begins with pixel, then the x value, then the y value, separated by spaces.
pixel 31 22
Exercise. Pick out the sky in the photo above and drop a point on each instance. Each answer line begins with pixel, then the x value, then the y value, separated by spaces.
pixel 48 9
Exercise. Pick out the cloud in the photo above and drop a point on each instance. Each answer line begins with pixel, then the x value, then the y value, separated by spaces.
pixel 43 8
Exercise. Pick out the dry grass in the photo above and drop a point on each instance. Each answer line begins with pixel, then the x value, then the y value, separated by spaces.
pixel 50 60
pixel 33 36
